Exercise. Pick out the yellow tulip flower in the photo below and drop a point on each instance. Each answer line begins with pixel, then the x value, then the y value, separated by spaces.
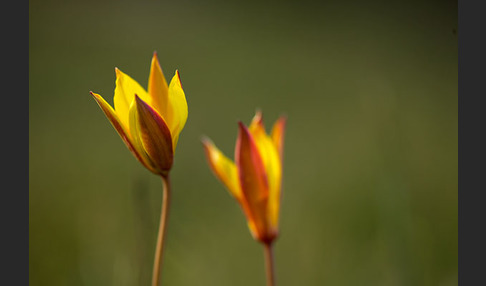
pixel 149 122
pixel 254 178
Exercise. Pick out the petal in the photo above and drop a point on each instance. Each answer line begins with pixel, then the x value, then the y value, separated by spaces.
pixel 125 91
pixel 125 136
pixel 158 89
pixel 253 181
pixel 227 173
pixel 257 119
pixel 222 167
pixel 278 132
pixel 153 135
pixel 265 145
pixel 273 166
pixel 177 111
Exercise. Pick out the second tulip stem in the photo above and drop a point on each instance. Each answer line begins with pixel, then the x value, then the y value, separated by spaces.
pixel 269 264
pixel 162 230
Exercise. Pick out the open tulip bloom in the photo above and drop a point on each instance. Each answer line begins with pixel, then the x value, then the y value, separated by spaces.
pixel 254 178
pixel 149 123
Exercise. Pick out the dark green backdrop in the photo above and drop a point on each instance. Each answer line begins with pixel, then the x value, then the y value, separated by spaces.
pixel 370 175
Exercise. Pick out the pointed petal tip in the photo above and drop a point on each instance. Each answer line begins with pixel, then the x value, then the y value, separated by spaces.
pixel 178 77
pixel 244 129
pixel 208 145
pixel 139 101
pixel 258 118
pixel 259 113
pixel 155 58
pixel 282 121
pixel 96 96
pixel 205 140
pixel 142 104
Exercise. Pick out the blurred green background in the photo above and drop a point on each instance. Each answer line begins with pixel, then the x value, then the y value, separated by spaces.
pixel 370 175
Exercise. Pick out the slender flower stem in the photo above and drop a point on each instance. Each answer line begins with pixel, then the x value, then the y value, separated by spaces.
pixel 162 230
pixel 269 264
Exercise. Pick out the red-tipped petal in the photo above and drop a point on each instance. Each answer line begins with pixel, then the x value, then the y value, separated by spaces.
pixel 253 180
pixel 278 133
pixel 154 136
pixel 177 108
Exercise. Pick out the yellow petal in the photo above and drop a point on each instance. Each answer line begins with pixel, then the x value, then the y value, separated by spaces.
pixel 125 91
pixel 264 143
pixel 177 111
pixel 273 167
pixel 158 89
pixel 222 167
pixel 125 136
pixel 278 132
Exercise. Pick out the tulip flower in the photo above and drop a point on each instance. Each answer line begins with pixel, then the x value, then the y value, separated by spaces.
pixel 149 123
pixel 254 178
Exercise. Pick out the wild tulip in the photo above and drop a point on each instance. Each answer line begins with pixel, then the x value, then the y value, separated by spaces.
pixel 149 123
pixel 254 178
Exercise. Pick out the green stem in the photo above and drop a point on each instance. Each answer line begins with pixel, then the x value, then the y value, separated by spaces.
pixel 269 264
pixel 162 231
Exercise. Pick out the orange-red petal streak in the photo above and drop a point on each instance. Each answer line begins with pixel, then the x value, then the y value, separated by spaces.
pixel 115 121
pixel 155 136
pixel 253 181
pixel 278 132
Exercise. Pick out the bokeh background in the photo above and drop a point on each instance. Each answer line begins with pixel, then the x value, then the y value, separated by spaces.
pixel 370 176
